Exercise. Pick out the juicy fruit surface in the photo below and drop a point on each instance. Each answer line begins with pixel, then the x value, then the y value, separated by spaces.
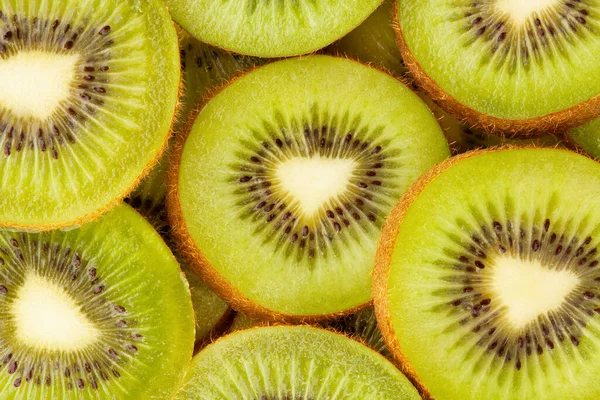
pixel 502 281
pixel 271 28
pixel 90 92
pixel 292 363
pixel 588 137
pixel 319 130
pixel 506 59
pixel 98 312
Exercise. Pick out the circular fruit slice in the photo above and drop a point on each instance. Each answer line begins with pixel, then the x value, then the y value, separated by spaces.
pixel 487 282
pixel 270 28
pixel 87 95
pixel 292 363
pixel 587 137
pixel 98 312
pixel 503 66
pixel 278 195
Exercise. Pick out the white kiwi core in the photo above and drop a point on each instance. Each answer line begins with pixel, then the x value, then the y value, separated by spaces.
pixel 47 318
pixel 521 10
pixel 314 181
pixel 34 83
pixel 527 289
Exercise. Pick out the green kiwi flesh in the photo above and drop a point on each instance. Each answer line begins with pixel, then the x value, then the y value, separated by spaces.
pixel 497 57
pixel 251 231
pixel 88 96
pixel 270 28
pixel 587 137
pixel 286 362
pixel 496 294
pixel 97 312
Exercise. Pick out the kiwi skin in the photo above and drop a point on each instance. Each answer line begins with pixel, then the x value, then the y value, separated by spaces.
pixel 199 264
pixel 553 124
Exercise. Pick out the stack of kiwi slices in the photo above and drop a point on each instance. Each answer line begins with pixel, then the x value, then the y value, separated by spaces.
pixel 299 199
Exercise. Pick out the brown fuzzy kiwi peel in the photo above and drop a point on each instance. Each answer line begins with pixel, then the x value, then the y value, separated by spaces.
pixel 527 128
pixel 198 262
pixel 385 251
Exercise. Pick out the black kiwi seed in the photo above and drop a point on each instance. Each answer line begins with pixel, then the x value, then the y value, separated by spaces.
pixel 545 242
pixel 21 34
pixel 256 170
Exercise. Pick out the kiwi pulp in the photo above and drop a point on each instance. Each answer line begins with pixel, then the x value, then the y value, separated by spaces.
pixel 504 67
pixel 294 189
pixel 495 295
pixel 97 312
pixel 87 97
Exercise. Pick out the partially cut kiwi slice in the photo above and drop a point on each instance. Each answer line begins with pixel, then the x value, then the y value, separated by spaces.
pixel 587 137
pixel 495 295
pixel 270 28
pixel 504 66
pixel 374 42
pixel 288 362
pixel 87 95
pixel 278 194
pixel 98 312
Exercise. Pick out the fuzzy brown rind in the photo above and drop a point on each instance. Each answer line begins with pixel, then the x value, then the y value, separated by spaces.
pixel 198 261
pixel 526 128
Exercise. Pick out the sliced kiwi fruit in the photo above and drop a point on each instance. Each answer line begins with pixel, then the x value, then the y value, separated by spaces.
pixel 87 97
pixel 97 312
pixel 292 362
pixel 495 294
pixel 361 326
pixel 277 196
pixel 587 137
pixel 373 42
pixel 270 28
pixel 506 67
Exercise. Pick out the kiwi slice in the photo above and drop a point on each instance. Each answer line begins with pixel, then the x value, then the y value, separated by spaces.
pixel 587 137
pixel 503 66
pixel 87 97
pixel 361 326
pixel 374 42
pixel 288 362
pixel 495 294
pixel 277 196
pixel 97 312
pixel 270 28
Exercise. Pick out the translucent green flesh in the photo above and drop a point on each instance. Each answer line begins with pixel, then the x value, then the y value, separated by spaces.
pixel 292 362
pixel 588 137
pixel 463 65
pixel 552 195
pixel 272 28
pixel 342 94
pixel 128 283
pixel 374 41
pixel 59 181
